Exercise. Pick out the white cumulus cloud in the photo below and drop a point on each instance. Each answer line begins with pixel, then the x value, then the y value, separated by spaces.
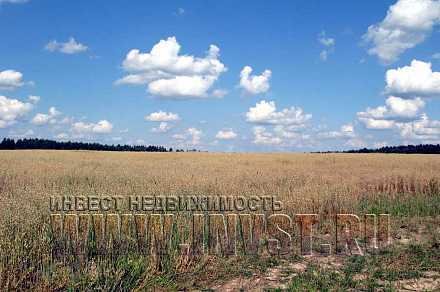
pixel 266 113
pixel 264 137
pixel 195 135
pixel 423 129
pixel 323 55
pixel 403 116
pixel 162 116
pixel 280 136
pixel 184 86
pixel 219 93
pixel 404 108
pixel 395 110
pixel 329 44
pixel 34 99
pixel 191 136
pixel 418 79
pixel 326 41
pixel 162 128
pixel 62 136
pixel 70 47
pixel 346 131
pixel 226 135
pixel 49 118
pixel 168 74
pixel 407 24
pixel 254 84
pixel 10 79
pixel 11 110
pixel 102 127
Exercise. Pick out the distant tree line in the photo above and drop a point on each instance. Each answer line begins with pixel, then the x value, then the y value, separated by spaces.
pixel 35 143
pixel 403 149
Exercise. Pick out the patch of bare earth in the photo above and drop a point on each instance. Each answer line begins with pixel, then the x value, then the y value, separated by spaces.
pixel 279 276
pixel 429 282
pixel 275 277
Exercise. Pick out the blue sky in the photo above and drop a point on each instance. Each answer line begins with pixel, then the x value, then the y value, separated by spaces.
pixel 222 76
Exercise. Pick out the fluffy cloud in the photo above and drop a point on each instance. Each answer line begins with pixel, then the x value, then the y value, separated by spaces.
pixel 180 11
pixel 168 74
pixel 184 86
pixel 323 55
pixel 10 79
pixel 346 136
pixel 326 41
pixel 254 84
pixel 281 136
pixel 162 128
pixel 219 93
pixel 263 137
pixel 356 143
pixel 346 131
pixel 403 108
pixel 102 127
pixel 329 44
pixel 266 113
pixel 162 116
pixel 424 129
pixel 287 132
pixel 288 124
pixel 33 98
pixel 195 135
pixel 226 135
pixel 407 24
pixel 191 136
pixel 418 79
pixel 376 124
pixel 179 137
pixel 136 79
pixel 164 57
pixel 405 117
pixel 70 47
pixel 40 119
pixel 62 136
pixel 11 110
pixel 49 118
pixel 396 110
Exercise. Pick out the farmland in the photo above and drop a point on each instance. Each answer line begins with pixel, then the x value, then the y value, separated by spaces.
pixel 405 186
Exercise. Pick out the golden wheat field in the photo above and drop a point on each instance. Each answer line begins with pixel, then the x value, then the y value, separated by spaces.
pixel 304 182
pixel 405 186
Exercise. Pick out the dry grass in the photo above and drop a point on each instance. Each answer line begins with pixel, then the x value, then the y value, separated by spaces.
pixel 304 182
pixel 318 183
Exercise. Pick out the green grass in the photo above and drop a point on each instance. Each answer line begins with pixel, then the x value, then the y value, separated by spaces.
pixel 29 261
pixel 134 270
pixel 402 205
pixel 378 272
